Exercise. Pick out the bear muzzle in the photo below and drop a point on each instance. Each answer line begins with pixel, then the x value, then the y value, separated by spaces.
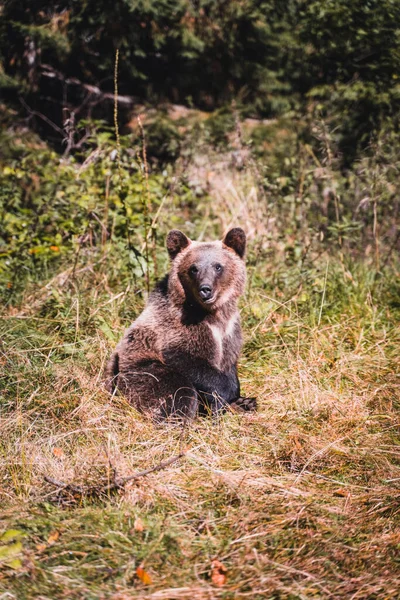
pixel 206 292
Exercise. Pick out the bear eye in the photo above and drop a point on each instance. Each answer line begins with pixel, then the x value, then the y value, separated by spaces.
pixel 218 268
pixel 193 270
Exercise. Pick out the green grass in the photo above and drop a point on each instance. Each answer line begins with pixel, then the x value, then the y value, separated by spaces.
pixel 299 500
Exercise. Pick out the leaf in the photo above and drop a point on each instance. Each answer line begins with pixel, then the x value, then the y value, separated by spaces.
pixel 53 537
pixel 218 573
pixel 143 576
pixel 41 547
pixel 15 564
pixel 11 534
pixel 341 493
pixel 10 551
pixel 58 452
pixel 138 524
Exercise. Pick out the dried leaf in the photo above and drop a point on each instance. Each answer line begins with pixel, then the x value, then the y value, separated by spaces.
pixel 58 452
pixel 341 493
pixel 41 547
pixel 218 573
pixel 53 537
pixel 143 576
pixel 138 524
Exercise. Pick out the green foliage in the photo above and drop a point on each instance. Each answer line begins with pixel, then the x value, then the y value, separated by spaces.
pixel 168 49
pixel 53 209
pixel 55 212
pixel 218 126
pixel 341 58
pixel 163 140
pixel 352 66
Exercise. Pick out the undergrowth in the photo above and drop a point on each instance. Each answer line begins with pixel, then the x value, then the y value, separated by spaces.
pixel 298 500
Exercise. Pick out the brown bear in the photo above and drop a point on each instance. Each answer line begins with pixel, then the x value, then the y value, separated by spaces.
pixel 180 355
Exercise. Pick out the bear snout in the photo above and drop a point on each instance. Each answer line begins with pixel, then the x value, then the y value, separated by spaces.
pixel 205 292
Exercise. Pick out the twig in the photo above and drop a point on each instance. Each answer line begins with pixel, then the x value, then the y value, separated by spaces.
pixel 35 113
pixel 69 487
pixel 48 71
pixel 323 294
pixel 118 483
pixel 116 127
pixel 159 467
pixel 146 203
pixel 104 228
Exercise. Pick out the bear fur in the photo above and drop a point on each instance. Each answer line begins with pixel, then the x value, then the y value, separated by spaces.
pixel 179 357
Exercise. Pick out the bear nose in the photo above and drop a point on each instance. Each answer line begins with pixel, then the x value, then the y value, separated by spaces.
pixel 205 292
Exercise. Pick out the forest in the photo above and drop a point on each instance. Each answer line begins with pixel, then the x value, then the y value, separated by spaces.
pixel 118 123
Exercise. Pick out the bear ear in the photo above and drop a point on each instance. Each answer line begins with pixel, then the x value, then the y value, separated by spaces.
pixel 176 241
pixel 236 239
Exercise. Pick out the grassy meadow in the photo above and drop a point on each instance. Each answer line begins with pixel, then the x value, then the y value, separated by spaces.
pixel 298 500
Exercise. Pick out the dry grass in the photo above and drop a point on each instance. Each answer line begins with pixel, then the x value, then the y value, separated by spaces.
pixel 300 500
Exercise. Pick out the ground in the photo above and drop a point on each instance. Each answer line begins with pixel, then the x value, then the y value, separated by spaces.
pixel 299 500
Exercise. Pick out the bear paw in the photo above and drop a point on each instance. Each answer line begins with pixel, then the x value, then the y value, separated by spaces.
pixel 244 405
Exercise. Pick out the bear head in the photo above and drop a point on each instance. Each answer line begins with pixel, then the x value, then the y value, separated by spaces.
pixel 207 274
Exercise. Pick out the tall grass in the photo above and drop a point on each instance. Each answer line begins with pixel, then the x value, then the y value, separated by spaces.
pixel 298 500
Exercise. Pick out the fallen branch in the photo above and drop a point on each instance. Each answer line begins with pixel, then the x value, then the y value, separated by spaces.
pixel 48 71
pixel 111 486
